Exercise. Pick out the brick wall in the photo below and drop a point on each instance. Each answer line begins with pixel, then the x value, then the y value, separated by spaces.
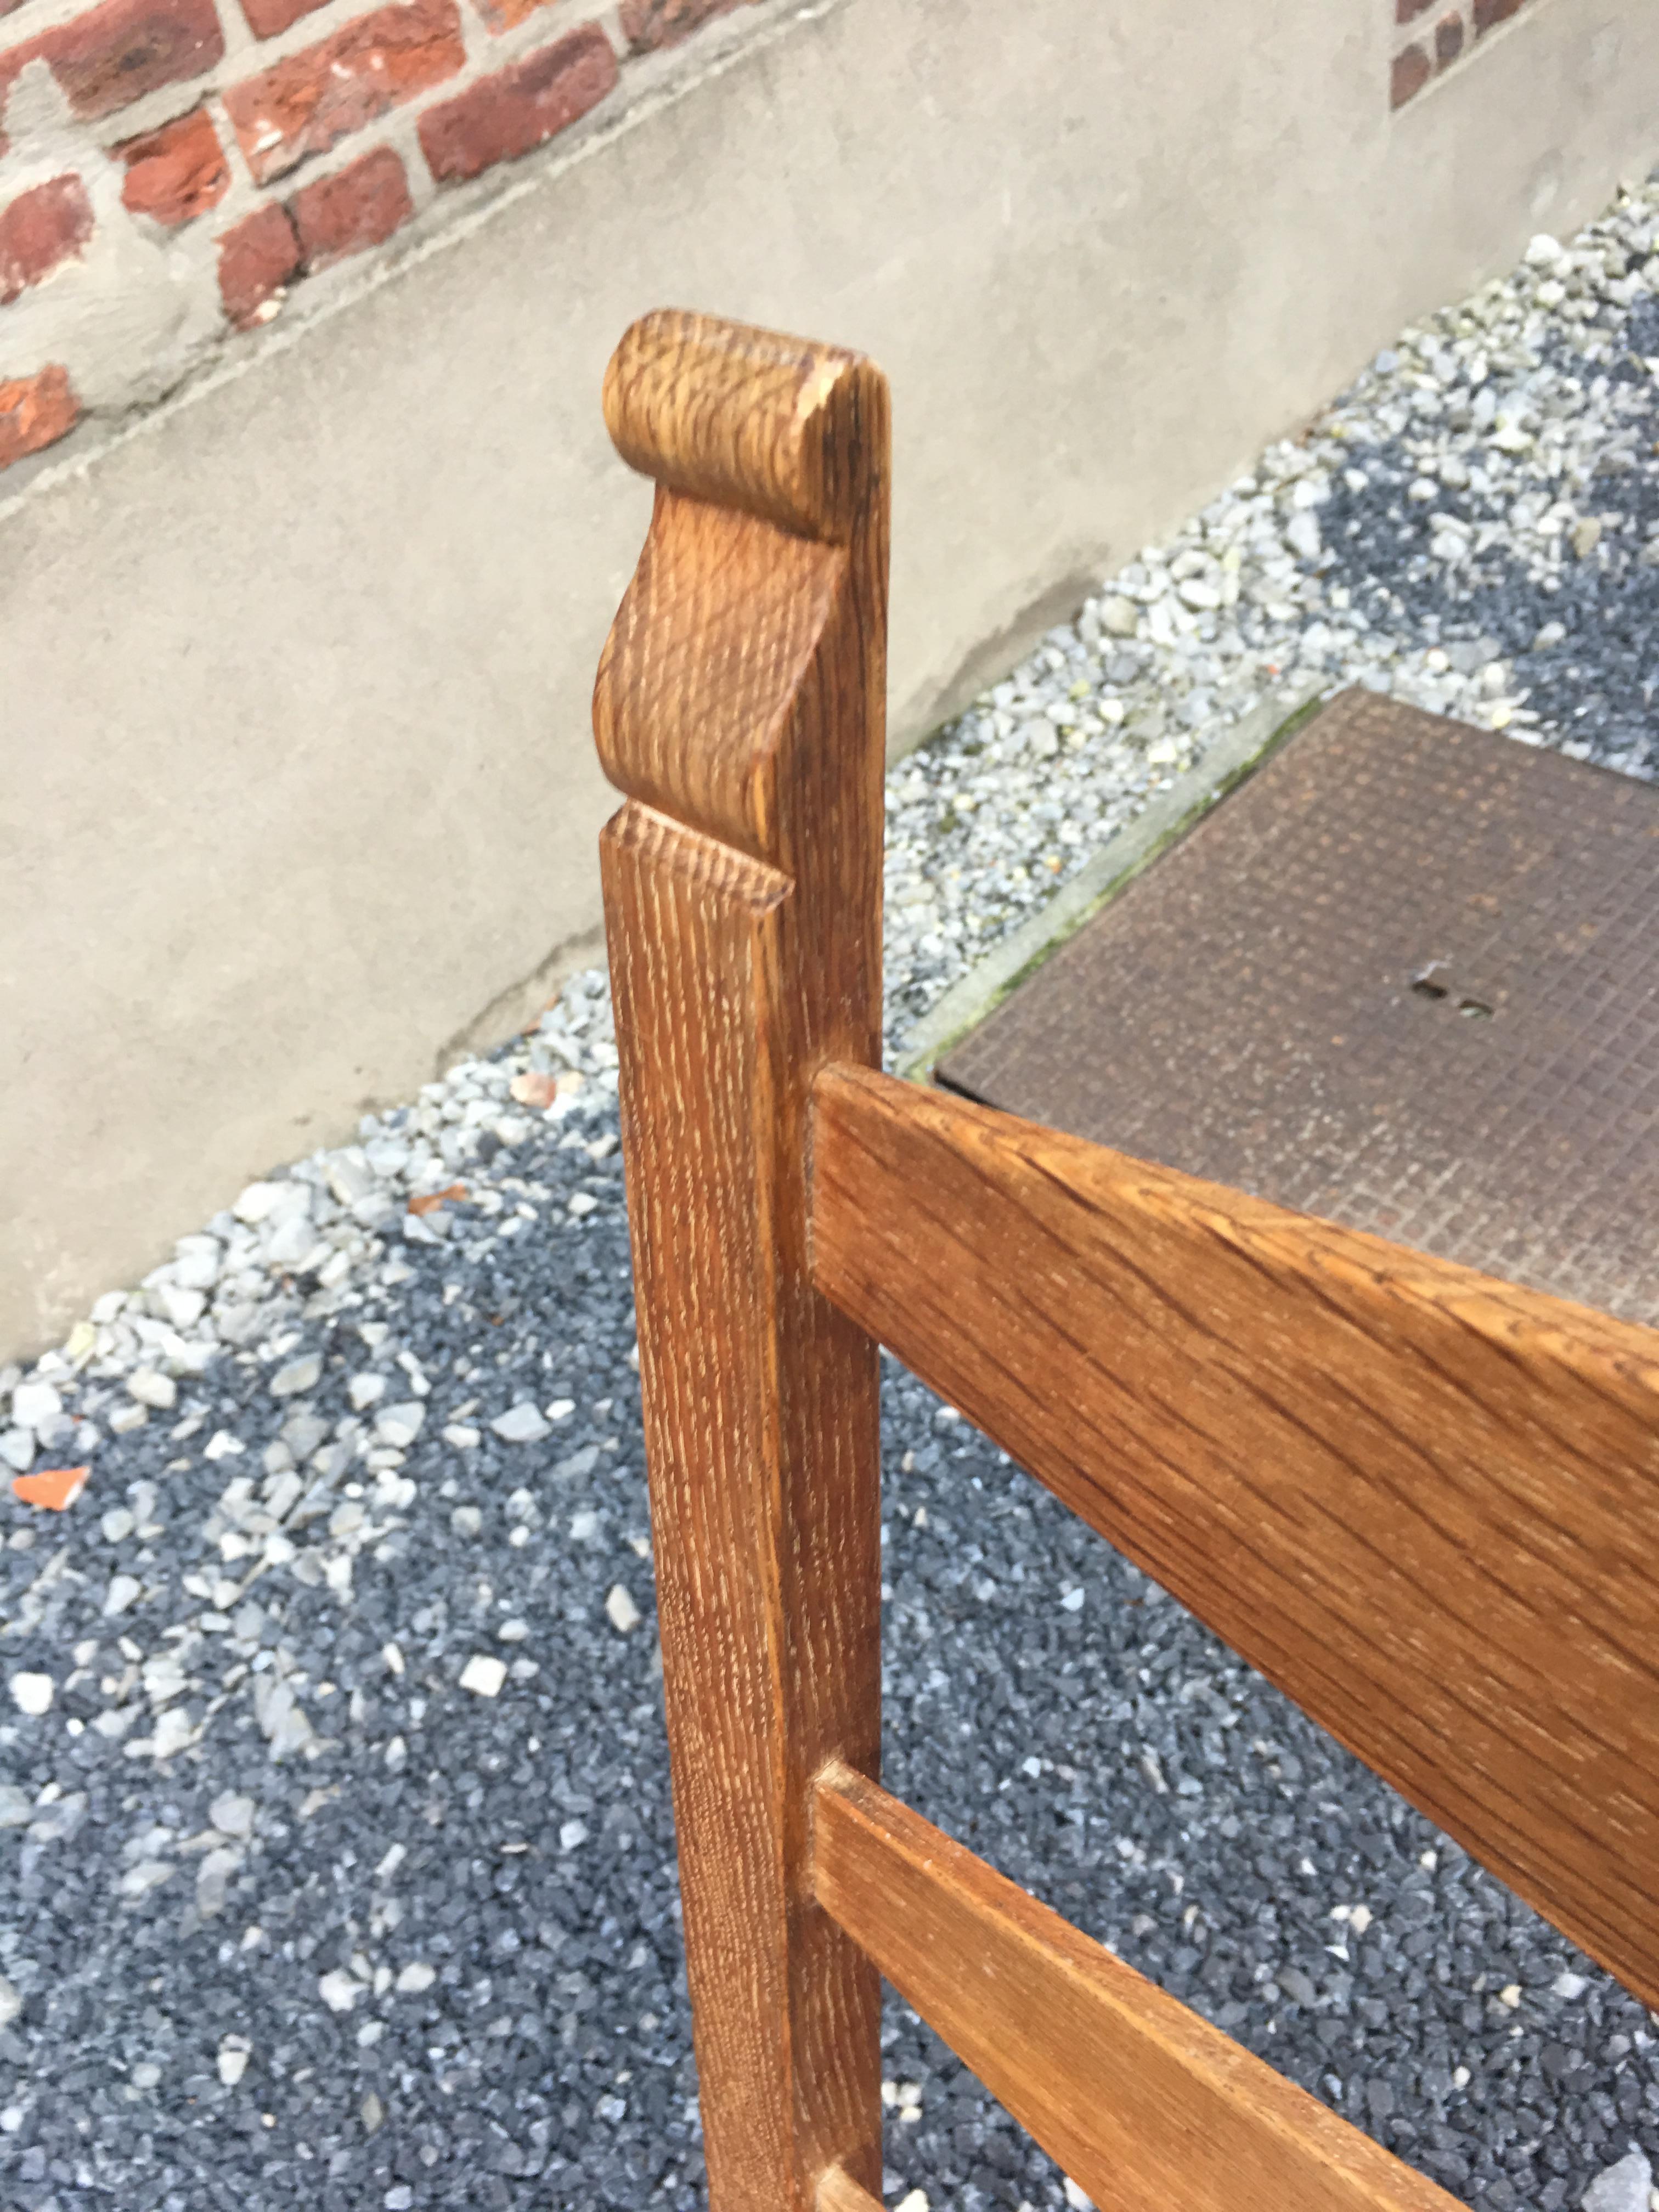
pixel 172 171
pixel 1431 36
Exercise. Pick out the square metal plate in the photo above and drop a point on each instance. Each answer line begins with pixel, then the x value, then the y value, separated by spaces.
pixel 1406 977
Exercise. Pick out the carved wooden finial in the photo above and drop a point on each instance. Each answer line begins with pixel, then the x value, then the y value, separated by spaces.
pixel 748 660
pixel 776 427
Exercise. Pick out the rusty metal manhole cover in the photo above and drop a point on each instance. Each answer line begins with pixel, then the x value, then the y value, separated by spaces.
pixel 1407 978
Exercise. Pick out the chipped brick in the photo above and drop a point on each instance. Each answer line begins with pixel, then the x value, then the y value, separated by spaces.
pixel 177 172
pixel 34 412
pixel 648 24
pixel 41 227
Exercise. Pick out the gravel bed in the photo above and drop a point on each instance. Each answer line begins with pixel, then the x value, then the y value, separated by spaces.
pixel 336 1859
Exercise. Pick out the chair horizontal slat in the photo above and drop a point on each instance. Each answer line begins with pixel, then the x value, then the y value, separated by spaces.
pixel 1144 2104
pixel 1425 1503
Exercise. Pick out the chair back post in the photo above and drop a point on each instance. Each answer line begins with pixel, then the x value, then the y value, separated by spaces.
pixel 740 709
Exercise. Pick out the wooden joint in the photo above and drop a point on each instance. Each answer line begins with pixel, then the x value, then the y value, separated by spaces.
pixel 837 2192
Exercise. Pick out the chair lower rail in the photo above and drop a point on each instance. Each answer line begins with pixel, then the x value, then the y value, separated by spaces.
pixel 1144 2104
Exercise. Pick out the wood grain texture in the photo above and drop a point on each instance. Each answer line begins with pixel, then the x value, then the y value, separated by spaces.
pixel 1143 2103
pixel 839 2192
pixel 1425 1503
pixel 740 705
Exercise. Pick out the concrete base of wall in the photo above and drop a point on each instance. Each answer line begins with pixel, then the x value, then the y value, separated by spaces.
pixel 299 791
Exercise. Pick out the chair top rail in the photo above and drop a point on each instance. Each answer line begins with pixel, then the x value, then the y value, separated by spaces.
pixel 1142 2102
pixel 1424 1503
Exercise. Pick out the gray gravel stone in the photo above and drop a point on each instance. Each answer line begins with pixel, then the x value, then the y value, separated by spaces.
pixel 1625 2187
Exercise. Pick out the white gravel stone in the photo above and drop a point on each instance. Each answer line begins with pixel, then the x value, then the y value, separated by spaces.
pixel 197 1261
pixel 32 1694
pixel 149 1387
pixel 232 1815
pixel 297 1376
pixel 35 1404
pixel 521 1424
pixel 257 1202
pixel 621 1609
pixel 17 1448
pixel 484 1674
pixel 124 1590
pixel 213 1879
pixel 183 1308
pixel 365 1390
pixel 148 1875
pixel 233 2061
pixel 11 2003
pixel 174 1732
pixel 16 1809
pixel 401 1424
pixel 415 1977
pixel 339 1990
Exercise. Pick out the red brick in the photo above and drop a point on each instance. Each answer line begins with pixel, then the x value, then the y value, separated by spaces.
pixel 256 259
pixel 303 105
pixel 354 208
pixel 42 227
pixel 266 17
pixel 1407 12
pixel 114 54
pixel 647 24
pixel 177 172
pixel 1448 39
pixel 35 411
pixel 1412 71
pixel 504 14
pixel 503 115
pixel 1488 13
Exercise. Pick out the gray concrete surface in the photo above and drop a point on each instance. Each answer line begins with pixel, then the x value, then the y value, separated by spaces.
pixel 299 793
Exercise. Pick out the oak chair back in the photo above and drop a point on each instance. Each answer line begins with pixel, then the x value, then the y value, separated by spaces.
pixel 1422 1502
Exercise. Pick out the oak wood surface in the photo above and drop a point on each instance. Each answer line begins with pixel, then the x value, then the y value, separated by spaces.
pixel 1144 2104
pixel 1425 1503
pixel 739 707
pixel 839 2192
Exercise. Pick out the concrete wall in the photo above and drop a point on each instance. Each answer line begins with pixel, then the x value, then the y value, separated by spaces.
pixel 299 793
